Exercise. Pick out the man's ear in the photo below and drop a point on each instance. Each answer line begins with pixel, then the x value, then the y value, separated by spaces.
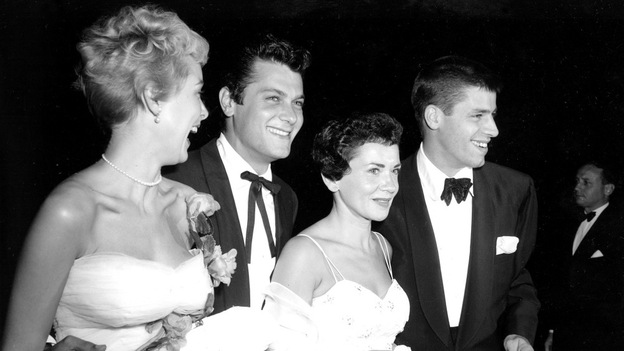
pixel 332 185
pixel 226 101
pixel 150 102
pixel 433 116
pixel 608 189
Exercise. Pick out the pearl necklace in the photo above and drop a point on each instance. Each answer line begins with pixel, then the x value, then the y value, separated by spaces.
pixel 148 184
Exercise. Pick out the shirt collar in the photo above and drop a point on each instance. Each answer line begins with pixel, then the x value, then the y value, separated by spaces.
pixel 600 209
pixel 234 163
pixel 433 178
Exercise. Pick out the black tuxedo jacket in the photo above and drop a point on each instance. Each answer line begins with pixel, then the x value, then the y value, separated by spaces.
pixel 590 313
pixel 500 298
pixel 204 172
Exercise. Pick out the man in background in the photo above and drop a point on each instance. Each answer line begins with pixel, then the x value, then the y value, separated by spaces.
pixel 589 306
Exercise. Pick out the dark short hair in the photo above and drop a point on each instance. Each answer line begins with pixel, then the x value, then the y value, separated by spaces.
pixel 607 174
pixel 443 82
pixel 239 70
pixel 125 53
pixel 335 145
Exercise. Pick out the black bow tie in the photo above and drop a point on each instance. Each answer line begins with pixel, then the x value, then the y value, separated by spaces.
pixel 590 216
pixel 458 187
pixel 255 197
pixel 257 181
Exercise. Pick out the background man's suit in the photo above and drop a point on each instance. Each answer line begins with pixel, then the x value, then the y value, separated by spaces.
pixel 204 172
pixel 500 298
pixel 590 313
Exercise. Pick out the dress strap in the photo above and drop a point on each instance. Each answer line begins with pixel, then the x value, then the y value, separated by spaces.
pixel 332 266
pixel 386 252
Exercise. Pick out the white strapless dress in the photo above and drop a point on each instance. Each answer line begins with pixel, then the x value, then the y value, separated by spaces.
pixel 109 298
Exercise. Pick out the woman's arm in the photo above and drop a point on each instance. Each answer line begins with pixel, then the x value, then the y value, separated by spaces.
pixel 298 268
pixel 289 296
pixel 54 241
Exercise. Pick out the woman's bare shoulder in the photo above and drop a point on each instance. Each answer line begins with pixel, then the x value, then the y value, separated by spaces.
pixel 72 200
pixel 65 216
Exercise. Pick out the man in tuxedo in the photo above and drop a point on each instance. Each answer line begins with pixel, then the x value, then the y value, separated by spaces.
pixel 590 306
pixel 462 229
pixel 262 104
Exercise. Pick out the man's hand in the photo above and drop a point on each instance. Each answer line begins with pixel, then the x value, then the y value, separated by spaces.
pixel 72 343
pixel 514 342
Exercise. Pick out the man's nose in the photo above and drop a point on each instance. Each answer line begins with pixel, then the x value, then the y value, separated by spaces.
pixel 289 114
pixel 490 127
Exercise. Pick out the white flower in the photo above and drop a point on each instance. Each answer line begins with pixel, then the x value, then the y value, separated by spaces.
pixel 200 203
pixel 222 266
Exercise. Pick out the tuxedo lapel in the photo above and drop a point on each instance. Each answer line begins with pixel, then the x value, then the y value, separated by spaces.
pixel 283 221
pixel 228 233
pixel 588 245
pixel 425 253
pixel 480 268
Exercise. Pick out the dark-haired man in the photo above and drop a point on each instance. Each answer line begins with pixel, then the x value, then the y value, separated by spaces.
pixel 262 103
pixel 462 229
pixel 589 307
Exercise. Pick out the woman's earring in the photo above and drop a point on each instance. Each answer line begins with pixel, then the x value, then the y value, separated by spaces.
pixel 156 118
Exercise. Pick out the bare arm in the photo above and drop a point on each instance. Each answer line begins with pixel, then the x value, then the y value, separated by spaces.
pixel 298 268
pixel 53 243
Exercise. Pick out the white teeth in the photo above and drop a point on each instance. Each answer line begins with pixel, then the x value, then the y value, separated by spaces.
pixel 480 144
pixel 277 131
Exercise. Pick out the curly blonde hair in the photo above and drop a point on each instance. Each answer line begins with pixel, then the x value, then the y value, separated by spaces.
pixel 137 48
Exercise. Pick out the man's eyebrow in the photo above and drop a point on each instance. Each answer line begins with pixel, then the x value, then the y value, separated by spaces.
pixel 280 92
pixel 273 90
pixel 484 110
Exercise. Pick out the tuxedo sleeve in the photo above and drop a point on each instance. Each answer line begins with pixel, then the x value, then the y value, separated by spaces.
pixel 522 303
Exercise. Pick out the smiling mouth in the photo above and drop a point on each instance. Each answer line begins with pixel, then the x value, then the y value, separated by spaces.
pixel 278 131
pixel 384 202
pixel 480 144
pixel 193 130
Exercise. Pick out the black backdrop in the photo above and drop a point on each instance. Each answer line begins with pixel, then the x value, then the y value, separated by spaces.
pixel 561 62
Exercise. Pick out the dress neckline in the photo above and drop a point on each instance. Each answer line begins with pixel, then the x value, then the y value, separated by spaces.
pixel 361 288
pixel 194 252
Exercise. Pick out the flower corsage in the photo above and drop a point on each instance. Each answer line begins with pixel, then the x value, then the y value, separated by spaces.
pixel 173 328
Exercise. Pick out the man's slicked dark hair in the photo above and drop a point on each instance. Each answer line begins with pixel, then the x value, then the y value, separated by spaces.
pixel 443 82
pixel 608 174
pixel 239 70
pixel 266 48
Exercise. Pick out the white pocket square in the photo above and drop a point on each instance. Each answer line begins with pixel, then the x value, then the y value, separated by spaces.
pixel 506 244
pixel 597 254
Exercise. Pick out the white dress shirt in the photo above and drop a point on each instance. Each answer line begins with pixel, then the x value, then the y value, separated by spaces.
pixel 585 226
pixel 452 226
pixel 262 264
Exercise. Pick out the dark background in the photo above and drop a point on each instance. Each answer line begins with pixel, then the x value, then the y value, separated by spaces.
pixel 561 61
